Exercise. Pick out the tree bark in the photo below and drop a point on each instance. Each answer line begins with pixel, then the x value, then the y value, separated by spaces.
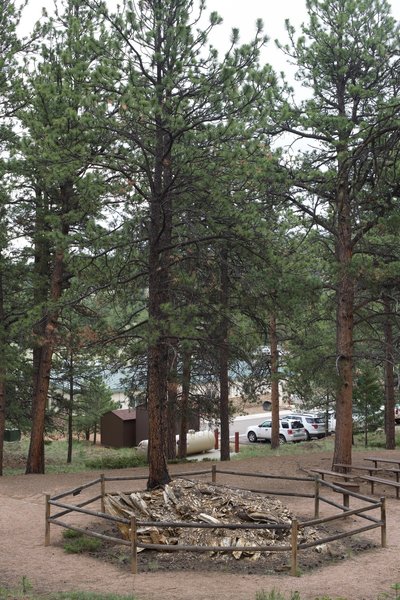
pixel 390 429
pixel 224 357
pixel 344 325
pixel 273 342
pixel 160 231
pixel 158 470
pixel 186 371
pixel 47 341
pixel 172 400
pixel 35 461
pixel 2 375
pixel 70 405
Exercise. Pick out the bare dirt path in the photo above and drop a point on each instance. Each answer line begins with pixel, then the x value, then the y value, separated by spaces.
pixel 362 576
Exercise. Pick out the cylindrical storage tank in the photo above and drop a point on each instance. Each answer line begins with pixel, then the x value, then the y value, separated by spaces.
pixel 197 441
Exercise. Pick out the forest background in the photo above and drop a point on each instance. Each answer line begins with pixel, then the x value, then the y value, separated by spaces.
pixel 181 214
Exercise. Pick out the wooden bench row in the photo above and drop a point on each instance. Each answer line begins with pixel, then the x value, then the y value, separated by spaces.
pixel 350 468
pixel 324 472
pixel 382 481
pixel 388 461
pixel 346 482
pixel 349 478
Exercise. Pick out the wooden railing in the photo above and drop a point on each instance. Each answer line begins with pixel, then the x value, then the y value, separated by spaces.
pixel 315 484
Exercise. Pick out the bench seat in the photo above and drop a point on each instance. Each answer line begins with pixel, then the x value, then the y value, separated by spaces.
pixel 362 468
pixel 323 472
pixel 382 481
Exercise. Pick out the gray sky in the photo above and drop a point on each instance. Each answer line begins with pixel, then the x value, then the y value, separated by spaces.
pixel 244 13
pixel 241 14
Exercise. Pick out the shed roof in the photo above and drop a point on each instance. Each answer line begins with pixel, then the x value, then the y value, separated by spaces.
pixel 125 414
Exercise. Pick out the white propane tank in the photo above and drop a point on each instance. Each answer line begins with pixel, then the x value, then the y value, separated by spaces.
pixel 197 441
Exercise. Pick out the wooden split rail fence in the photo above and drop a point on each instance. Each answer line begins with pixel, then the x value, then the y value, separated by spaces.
pixel 317 484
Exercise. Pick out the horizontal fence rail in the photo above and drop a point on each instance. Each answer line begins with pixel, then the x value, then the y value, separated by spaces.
pixel 316 484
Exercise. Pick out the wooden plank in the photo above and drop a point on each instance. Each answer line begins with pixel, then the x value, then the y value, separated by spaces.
pixel 323 472
pixel 376 459
pixel 349 486
pixel 389 482
pixel 359 467
pixel 381 480
pixel 295 548
pixel 47 520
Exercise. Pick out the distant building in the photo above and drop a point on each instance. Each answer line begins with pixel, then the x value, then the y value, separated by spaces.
pixel 124 428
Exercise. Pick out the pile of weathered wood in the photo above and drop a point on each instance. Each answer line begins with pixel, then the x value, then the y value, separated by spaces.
pixel 185 500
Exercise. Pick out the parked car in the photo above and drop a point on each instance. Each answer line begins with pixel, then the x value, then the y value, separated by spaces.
pixel 314 426
pixel 290 430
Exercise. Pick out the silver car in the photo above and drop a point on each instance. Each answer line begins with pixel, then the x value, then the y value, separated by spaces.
pixel 314 426
pixel 290 430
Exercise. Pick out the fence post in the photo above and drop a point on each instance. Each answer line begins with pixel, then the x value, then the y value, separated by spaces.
pixel 134 545
pixel 237 442
pixel 47 522
pixel 295 530
pixel 316 497
pixel 214 473
pixel 216 439
pixel 102 491
pixel 383 519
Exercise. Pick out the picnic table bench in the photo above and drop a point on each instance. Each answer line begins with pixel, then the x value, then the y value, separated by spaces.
pixel 350 468
pixel 391 482
pixel 347 483
pixel 373 471
pixel 390 461
pixel 326 472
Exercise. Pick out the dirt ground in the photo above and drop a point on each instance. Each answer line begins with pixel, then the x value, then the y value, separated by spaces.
pixel 356 570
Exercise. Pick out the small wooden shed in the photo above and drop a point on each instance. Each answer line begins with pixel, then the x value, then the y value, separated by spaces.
pixel 125 427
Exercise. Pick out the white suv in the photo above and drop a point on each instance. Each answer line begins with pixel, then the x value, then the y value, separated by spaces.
pixel 290 430
pixel 314 426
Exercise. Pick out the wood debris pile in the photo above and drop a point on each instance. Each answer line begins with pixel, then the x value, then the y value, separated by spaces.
pixel 193 501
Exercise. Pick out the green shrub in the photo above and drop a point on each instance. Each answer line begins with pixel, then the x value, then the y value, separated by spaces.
pixel 90 596
pixel 78 542
pixel 69 534
pixel 116 461
pixel 16 594
pixel 274 595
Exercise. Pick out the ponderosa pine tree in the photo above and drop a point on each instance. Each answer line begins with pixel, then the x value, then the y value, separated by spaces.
pixel 348 57
pixel 178 111
pixel 59 151
pixel 10 13
pixel 376 309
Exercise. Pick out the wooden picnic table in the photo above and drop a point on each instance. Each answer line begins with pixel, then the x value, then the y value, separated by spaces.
pixel 350 468
pixel 382 481
pixel 376 459
pixel 346 481
pixel 324 472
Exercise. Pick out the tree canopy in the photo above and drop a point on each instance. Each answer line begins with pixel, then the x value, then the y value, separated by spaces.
pixel 154 219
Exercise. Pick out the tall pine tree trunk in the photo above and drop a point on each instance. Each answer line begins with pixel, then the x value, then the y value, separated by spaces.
pixel 390 430
pixel 273 342
pixel 2 375
pixel 35 461
pixel 160 231
pixel 43 352
pixel 224 357
pixel 186 370
pixel 70 405
pixel 172 399
pixel 344 325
